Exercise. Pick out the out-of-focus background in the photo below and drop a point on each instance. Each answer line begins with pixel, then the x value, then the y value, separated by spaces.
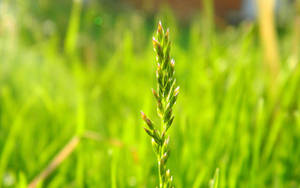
pixel 74 76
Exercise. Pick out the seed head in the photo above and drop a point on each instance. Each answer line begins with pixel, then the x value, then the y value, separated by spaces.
pixel 159 28
pixel 147 121
pixel 154 42
pixel 155 146
pixel 170 122
pixel 148 132
pixel 167 35
pixel 168 173
pixel 164 158
pixel 143 115
pixel 176 91
pixel 172 62
pixel 166 143
pixel 155 94
pixel 165 95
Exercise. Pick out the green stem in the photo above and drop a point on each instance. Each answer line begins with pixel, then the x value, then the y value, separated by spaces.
pixel 161 181
pixel 159 172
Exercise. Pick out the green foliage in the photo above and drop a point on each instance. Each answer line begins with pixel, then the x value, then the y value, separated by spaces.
pixel 215 181
pixel 226 117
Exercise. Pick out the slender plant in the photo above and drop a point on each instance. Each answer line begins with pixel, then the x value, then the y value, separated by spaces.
pixel 165 95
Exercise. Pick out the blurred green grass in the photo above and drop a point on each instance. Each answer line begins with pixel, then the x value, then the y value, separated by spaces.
pixel 58 80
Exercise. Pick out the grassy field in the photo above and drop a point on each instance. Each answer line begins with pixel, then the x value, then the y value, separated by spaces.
pixel 82 73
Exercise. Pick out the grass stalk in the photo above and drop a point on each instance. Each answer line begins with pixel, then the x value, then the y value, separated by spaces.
pixel 166 96
pixel 67 150
pixel 266 19
pixel 57 160
pixel 73 27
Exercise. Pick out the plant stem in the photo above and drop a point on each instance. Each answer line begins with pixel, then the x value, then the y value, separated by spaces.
pixel 166 96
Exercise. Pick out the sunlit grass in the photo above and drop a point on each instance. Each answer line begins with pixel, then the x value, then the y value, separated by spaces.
pixel 226 117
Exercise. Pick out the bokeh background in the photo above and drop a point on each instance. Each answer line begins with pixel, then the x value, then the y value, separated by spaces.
pixel 74 76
